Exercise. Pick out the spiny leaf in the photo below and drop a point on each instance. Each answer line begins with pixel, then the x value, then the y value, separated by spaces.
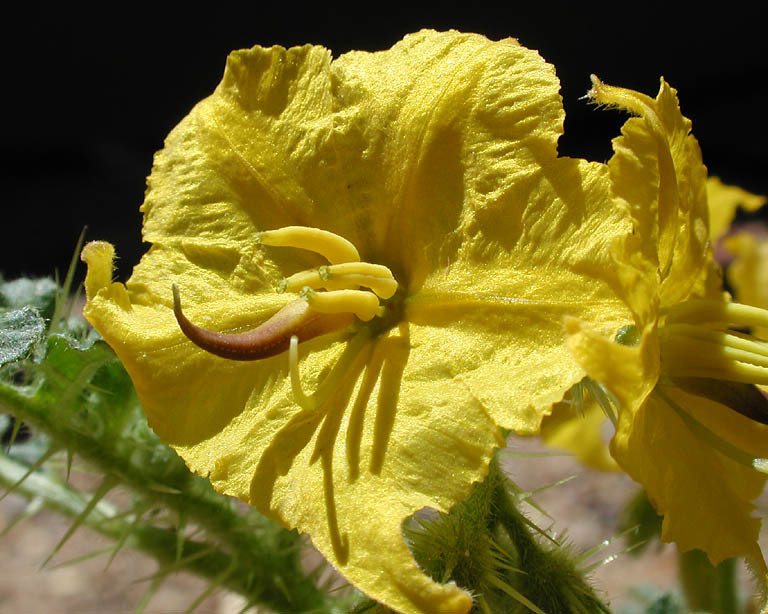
pixel 20 331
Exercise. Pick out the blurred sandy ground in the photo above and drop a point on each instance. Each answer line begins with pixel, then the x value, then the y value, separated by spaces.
pixel 587 506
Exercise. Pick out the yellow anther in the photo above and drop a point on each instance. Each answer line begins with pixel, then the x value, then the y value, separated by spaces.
pixel 363 304
pixel 334 248
pixel 359 268
pixel 384 288
pixel 348 276
pixel 700 311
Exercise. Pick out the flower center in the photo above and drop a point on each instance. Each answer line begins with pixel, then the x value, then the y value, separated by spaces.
pixel 329 300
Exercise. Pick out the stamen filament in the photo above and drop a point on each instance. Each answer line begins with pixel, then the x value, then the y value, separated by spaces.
pixel 332 381
pixel 334 248
pixel 363 304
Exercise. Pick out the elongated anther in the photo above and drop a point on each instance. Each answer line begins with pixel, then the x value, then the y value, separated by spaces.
pixel 334 248
pixel 363 304
pixel 385 287
pixel 699 311
pixel 359 268
pixel 271 338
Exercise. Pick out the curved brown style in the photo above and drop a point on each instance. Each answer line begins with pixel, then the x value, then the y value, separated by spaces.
pixel 270 338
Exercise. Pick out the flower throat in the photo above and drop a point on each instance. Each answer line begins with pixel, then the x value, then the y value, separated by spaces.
pixel 330 298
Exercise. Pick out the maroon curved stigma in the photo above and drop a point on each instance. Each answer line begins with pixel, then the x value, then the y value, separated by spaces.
pixel 270 338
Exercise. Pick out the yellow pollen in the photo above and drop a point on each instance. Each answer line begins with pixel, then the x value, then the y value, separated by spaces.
pixel 331 246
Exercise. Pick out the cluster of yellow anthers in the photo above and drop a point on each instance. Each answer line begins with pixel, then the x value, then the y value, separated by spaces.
pixel 312 315
pixel 696 341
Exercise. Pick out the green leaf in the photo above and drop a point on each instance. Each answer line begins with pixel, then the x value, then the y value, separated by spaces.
pixel 20 331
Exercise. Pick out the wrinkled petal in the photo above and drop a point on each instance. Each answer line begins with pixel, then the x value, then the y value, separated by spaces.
pixel 705 497
pixel 390 439
pixel 723 201
pixel 630 373
pixel 657 172
pixel 500 303
pixel 748 273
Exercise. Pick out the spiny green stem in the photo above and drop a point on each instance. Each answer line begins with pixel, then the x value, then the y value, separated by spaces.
pixel 102 422
pixel 203 559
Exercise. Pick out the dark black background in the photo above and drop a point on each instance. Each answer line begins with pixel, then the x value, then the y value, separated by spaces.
pixel 88 97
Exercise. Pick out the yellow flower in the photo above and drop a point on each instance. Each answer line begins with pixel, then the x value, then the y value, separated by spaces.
pixel 436 164
pixel 698 459
pixel 583 430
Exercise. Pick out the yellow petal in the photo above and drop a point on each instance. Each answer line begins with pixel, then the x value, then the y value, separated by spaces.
pixel 723 201
pixel 705 497
pixel 658 173
pixel 498 305
pixel 630 373
pixel 582 434
pixel 463 126
pixel 387 442
pixel 437 159
pixel 748 273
